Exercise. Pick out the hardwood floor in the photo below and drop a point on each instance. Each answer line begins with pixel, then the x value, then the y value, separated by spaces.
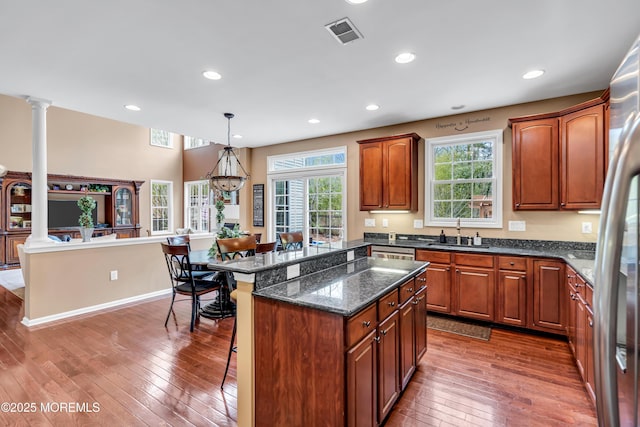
pixel 137 372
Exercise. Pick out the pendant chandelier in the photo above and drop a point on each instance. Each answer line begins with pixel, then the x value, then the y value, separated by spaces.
pixel 224 175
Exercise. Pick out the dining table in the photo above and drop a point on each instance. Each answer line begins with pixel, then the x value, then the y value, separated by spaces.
pixel 221 306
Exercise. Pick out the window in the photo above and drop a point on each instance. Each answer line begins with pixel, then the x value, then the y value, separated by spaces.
pixel 308 194
pixel 197 206
pixel 191 142
pixel 464 180
pixel 161 207
pixel 161 138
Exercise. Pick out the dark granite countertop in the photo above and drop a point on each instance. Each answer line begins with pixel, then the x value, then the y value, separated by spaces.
pixel 579 259
pixel 347 288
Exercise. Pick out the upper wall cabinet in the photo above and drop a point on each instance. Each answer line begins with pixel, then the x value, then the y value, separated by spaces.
pixel 559 159
pixel 389 173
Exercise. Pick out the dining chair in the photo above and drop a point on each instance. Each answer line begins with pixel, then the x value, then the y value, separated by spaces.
pixel 265 247
pixel 291 240
pixel 236 247
pixel 184 239
pixel 184 282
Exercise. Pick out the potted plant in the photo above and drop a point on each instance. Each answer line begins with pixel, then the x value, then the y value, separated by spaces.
pixel 86 204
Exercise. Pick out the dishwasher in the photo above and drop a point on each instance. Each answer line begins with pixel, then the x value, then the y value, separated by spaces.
pixel 392 252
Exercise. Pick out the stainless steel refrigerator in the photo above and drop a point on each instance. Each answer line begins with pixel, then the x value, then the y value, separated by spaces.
pixel 616 291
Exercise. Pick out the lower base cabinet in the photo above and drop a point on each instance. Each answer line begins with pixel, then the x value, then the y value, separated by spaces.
pixel 388 365
pixel 361 383
pixel 548 296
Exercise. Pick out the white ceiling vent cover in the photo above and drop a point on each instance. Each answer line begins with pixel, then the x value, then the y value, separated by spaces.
pixel 344 30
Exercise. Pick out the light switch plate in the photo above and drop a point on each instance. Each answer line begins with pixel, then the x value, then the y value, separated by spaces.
pixel 417 223
pixel 587 227
pixel 385 222
pixel 517 226
pixel 369 222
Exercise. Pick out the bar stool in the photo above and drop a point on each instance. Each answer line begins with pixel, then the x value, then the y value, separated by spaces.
pixel 232 348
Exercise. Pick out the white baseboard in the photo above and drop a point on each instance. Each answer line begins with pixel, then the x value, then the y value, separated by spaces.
pixel 46 319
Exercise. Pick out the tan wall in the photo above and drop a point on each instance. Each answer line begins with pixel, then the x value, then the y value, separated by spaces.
pixel 81 144
pixel 540 225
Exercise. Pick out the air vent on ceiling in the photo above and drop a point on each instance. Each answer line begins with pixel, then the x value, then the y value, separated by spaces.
pixel 344 31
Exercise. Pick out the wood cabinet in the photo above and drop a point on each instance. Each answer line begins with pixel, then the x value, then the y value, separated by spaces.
pixel 117 208
pixel 388 363
pixel 420 311
pixel 535 165
pixel 407 342
pixel 439 279
pixel 389 173
pixel 361 383
pixel 559 159
pixel 548 300
pixel 512 291
pixel 475 286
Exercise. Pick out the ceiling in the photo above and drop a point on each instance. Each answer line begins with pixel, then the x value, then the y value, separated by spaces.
pixel 280 66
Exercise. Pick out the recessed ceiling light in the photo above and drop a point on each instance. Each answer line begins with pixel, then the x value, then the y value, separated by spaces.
pixel 458 107
pixel 533 74
pixel 405 57
pixel 356 1
pixel 132 107
pixel 211 75
pixel 372 107
pixel 236 136
pixel 313 121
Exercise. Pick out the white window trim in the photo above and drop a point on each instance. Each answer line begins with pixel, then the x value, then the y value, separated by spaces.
pixel 313 153
pixel 185 215
pixel 160 145
pixel 496 221
pixel 186 137
pixel 170 206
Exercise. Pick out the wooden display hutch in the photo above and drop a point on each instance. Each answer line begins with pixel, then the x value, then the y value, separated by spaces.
pixel 118 208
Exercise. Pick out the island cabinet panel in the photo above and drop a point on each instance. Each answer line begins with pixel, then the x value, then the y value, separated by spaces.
pixel 421 322
pixel 548 296
pixel 439 279
pixel 407 342
pixel 535 165
pixel 582 170
pixel 293 345
pixel 388 364
pixel 361 385
pixel 389 173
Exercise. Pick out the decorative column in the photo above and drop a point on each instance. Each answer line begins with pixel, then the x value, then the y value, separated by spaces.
pixel 39 228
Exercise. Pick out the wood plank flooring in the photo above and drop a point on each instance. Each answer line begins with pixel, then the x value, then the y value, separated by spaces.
pixel 127 369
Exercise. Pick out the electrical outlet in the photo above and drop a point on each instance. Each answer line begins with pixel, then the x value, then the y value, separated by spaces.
pixel 293 271
pixel 369 222
pixel 517 226
pixel 417 223
pixel 113 275
pixel 385 222
pixel 587 227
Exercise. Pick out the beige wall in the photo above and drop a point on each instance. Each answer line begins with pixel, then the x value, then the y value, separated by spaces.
pixel 81 144
pixel 540 225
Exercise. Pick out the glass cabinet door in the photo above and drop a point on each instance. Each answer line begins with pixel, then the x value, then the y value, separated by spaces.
pixel 123 207
pixel 19 206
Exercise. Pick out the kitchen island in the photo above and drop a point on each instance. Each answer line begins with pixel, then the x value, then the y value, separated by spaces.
pixel 326 320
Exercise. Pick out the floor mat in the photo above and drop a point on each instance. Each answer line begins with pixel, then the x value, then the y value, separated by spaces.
pixel 458 326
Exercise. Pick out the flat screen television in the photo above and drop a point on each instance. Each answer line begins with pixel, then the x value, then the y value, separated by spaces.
pixel 65 214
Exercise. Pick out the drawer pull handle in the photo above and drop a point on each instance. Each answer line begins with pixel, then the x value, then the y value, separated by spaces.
pixel 366 324
pixel 377 339
pixel 512 263
pixel 392 304
pixel 410 290
pixel 590 323
pixel 384 332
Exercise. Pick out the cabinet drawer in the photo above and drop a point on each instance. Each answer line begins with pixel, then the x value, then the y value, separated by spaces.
pixel 387 304
pixel 407 290
pixel 474 260
pixel 512 263
pixel 361 324
pixel 433 256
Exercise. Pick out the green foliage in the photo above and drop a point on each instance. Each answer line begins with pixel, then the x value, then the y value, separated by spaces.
pixel 220 211
pixel 86 204
pixel 99 188
pixel 224 233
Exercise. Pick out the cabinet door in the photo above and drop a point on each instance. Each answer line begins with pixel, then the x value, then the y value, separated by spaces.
pixel 475 289
pixel 439 282
pixel 571 315
pixel 581 337
pixel 371 173
pixel 535 165
pixel 583 153
pixel 420 314
pixel 400 186
pixel 407 342
pixel 361 383
pixel 548 301
pixel 388 365
pixel 512 298
pixel 12 242
pixel 589 366
pixel 124 207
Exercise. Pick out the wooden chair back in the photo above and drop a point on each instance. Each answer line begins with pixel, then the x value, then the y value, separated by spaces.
pixel 238 247
pixel 265 247
pixel 291 240
pixel 179 240
pixel 177 258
